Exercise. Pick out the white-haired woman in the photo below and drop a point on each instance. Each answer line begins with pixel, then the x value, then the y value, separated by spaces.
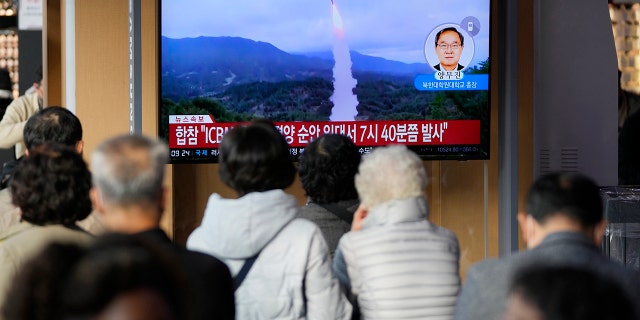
pixel 395 263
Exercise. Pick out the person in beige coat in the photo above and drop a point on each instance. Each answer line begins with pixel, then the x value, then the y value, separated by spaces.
pixel 53 124
pixel 17 114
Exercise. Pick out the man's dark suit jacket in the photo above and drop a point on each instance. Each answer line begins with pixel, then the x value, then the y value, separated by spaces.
pixel 485 289
pixel 437 67
pixel 209 279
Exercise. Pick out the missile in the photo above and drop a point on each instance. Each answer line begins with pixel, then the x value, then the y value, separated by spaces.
pixel 332 2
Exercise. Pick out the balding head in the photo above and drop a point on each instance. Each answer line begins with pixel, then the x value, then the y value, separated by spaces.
pixel 129 170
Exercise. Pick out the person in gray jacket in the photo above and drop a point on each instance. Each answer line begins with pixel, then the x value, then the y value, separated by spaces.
pixel 396 263
pixel 327 169
pixel 280 264
pixel 563 227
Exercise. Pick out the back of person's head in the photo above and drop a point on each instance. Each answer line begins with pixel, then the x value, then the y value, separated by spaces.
pixel 327 168
pixel 39 75
pixel 571 195
pixel 129 169
pixel 52 124
pixel 390 173
pixel 51 186
pixel 255 158
pixel 116 277
pixel 567 293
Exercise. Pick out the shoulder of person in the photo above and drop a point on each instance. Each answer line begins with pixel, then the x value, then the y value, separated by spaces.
pixel 488 268
pixel 301 224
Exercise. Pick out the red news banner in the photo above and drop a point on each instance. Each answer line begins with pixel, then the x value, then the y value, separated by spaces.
pixel 201 131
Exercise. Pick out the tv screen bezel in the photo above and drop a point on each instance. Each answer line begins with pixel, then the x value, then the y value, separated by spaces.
pixel 485 125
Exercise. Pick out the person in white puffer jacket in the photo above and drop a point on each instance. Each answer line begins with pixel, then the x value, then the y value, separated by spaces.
pixel 291 277
pixel 395 263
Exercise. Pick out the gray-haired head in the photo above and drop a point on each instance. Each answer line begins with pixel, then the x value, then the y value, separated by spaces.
pixel 129 169
pixel 390 173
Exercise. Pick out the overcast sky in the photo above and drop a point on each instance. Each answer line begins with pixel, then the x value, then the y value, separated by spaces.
pixel 392 29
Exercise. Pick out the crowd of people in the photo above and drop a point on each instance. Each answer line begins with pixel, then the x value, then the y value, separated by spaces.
pixel 81 244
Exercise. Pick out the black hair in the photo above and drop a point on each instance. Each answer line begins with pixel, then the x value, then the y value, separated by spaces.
pixel 38 74
pixel 52 124
pixel 255 158
pixel 571 293
pixel 327 168
pixel 449 29
pixel 71 281
pixel 120 263
pixel 573 195
pixel 36 286
pixel 51 186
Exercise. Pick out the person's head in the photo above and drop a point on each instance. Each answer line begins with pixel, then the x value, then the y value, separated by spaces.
pixel 53 124
pixel 255 158
pixel 449 43
pixel 128 172
pixel 562 201
pixel 51 186
pixel 124 275
pixel 390 173
pixel 568 293
pixel 327 168
pixel 38 85
pixel 116 277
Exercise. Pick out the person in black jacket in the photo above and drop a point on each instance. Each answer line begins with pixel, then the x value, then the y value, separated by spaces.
pixel 128 177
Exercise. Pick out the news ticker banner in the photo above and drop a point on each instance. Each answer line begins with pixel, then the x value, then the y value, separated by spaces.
pixel 202 132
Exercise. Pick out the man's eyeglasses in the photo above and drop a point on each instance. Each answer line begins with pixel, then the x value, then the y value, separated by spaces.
pixel 446 46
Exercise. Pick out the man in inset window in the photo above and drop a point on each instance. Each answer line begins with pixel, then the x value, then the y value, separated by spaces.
pixel 449 45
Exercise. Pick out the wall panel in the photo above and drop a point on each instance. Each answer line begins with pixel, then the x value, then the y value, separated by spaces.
pixel 102 69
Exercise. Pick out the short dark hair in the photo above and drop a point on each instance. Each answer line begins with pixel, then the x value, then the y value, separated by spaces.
pixel 572 293
pixel 120 263
pixel 51 186
pixel 449 29
pixel 39 77
pixel 327 168
pixel 73 281
pixel 52 124
pixel 573 195
pixel 255 158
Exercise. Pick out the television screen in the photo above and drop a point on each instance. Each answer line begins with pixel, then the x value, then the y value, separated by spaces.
pixel 413 72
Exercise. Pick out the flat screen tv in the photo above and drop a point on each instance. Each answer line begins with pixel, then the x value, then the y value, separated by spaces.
pixel 413 72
